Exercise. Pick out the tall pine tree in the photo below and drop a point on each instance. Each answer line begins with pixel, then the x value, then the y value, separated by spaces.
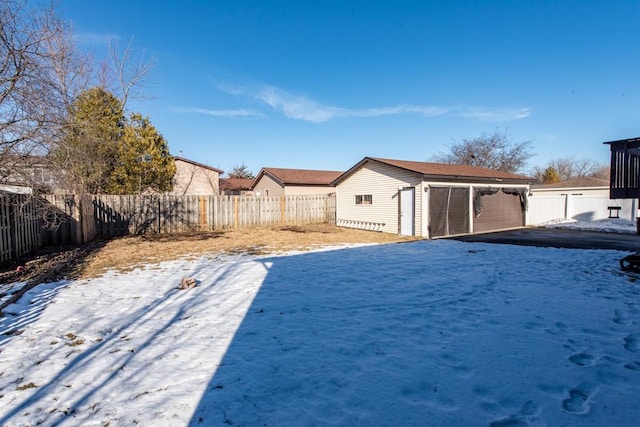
pixel 144 163
pixel 104 152
pixel 89 150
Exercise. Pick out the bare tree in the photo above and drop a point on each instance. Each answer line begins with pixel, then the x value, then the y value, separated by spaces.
pixel 26 88
pixel 490 150
pixel 121 75
pixel 40 75
pixel 126 74
pixel 568 168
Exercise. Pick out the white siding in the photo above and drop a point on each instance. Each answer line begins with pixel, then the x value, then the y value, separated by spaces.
pixel 382 182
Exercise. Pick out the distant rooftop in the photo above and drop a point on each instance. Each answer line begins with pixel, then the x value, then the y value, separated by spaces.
pixel 299 176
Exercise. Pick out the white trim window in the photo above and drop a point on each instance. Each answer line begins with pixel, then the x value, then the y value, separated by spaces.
pixel 364 199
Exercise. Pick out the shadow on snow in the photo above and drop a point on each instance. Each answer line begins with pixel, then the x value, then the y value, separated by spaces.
pixel 113 349
pixel 338 337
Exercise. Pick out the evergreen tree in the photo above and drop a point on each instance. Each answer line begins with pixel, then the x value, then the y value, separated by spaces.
pixel 103 152
pixel 241 171
pixel 144 163
pixel 550 176
pixel 89 151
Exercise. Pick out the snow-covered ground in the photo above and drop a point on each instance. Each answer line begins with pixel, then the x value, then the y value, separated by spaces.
pixel 434 333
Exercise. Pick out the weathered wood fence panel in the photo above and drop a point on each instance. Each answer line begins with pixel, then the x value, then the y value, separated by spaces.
pixel 141 214
pixel 25 225
pixel 6 248
pixel 122 215
pixel 19 225
pixel 62 225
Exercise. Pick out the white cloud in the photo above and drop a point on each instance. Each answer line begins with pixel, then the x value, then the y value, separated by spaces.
pixel 494 115
pixel 241 113
pixel 231 89
pixel 298 107
pixel 302 108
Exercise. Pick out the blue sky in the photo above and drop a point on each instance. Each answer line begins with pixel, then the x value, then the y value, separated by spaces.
pixel 322 84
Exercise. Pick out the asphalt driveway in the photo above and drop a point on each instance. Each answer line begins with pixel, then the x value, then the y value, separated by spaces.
pixel 559 238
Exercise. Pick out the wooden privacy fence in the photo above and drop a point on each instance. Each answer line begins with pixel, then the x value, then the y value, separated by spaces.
pixel 29 222
pixel 141 214
pixel 19 225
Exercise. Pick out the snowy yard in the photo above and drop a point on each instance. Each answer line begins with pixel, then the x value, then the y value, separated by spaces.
pixel 428 333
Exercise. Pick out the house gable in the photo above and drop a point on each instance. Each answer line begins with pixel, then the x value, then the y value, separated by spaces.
pixel 266 185
pixel 193 178
pixel 280 181
pixel 381 182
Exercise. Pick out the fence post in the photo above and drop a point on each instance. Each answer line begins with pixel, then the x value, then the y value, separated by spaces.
pixel 235 212
pixel 283 205
pixel 203 212
pixel 13 227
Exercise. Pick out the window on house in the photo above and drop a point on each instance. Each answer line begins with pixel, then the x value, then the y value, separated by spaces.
pixel 364 199
pixel 41 175
pixel 38 175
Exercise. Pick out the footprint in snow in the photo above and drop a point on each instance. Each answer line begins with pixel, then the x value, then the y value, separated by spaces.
pixel 632 343
pixel 509 422
pixel 529 410
pixel 620 317
pixel 582 359
pixel 578 400
pixel 633 366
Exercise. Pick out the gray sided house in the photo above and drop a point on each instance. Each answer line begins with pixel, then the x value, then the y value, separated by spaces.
pixel 429 199
pixel 293 182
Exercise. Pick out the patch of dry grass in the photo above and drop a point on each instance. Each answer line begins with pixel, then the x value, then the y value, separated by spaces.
pixel 128 252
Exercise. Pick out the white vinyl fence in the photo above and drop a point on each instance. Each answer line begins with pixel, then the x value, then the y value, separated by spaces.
pixel 544 208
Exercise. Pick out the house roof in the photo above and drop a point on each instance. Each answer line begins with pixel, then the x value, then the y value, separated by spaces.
pixel 581 182
pixel 200 165
pixel 240 184
pixel 442 170
pixel 298 176
pixel 623 141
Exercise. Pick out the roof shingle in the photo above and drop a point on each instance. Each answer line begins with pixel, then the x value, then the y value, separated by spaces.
pixel 300 176
pixel 442 169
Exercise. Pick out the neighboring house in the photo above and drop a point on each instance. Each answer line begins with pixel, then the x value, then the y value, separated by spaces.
pixel 580 199
pixel 193 178
pixel 293 182
pixel 429 199
pixel 236 186
pixel 24 174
